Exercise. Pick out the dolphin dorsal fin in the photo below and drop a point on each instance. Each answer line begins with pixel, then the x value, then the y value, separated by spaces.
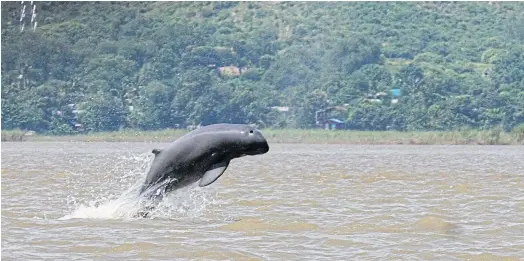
pixel 213 173
pixel 156 151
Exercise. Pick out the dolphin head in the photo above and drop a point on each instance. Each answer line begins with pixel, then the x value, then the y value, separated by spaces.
pixel 253 142
pixel 234 139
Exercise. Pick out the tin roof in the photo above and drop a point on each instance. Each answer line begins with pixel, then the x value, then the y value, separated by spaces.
pixel 336 120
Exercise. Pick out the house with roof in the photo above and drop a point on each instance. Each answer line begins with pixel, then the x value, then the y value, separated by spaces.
pixel 333 124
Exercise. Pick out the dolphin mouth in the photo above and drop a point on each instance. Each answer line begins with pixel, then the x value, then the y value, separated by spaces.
pixel 263 150
pixel 260 150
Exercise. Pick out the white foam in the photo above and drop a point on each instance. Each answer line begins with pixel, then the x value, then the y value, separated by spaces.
pixel 125 206
pixel 191 200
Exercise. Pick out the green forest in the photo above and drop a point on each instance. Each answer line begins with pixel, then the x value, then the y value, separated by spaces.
pixel 405 66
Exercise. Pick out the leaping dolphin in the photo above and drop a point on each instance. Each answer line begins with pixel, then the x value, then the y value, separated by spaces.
pixel 202 154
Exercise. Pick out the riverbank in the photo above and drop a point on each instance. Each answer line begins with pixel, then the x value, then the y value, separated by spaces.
pixel 313 136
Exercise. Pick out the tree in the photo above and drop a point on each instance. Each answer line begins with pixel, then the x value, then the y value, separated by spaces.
pixel 304 104
pixel 103 113
pixel 294 67
pixel 154 65
pixel 152 109
pixel 349 55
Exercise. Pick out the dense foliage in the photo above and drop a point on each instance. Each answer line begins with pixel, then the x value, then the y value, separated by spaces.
pixel 155 65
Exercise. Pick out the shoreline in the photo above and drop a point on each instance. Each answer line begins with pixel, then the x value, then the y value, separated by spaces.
pixel 304 136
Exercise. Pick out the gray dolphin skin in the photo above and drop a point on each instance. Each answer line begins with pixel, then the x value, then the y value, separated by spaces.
pixel 202 154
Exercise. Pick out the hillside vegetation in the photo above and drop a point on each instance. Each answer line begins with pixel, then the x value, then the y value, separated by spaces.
pixel 157 65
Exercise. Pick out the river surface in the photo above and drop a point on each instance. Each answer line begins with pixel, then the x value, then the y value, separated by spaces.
pixel 74 201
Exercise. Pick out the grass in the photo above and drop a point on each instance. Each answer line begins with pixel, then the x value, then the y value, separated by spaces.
pixel 13 135
pixel 311 136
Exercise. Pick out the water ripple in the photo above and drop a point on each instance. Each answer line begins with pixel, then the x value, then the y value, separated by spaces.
pixel 63 201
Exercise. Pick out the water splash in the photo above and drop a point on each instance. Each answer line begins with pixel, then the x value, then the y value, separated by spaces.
pixel 112 196
pixel 187 201
pixel 106 207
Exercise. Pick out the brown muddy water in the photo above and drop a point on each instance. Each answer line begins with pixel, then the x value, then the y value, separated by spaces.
pixel 74 201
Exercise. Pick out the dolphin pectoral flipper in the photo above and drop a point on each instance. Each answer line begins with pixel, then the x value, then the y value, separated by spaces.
pixel 213 173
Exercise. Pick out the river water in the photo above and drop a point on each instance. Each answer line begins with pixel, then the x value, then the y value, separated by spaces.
pixel 74 201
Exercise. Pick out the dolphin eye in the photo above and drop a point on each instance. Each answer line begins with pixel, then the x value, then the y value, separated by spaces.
pixel 251 132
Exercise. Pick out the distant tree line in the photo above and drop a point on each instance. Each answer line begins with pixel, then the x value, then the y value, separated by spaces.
pixel 155 65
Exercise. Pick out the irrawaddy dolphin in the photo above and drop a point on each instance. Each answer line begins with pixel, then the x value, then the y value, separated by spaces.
pixel 203 154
